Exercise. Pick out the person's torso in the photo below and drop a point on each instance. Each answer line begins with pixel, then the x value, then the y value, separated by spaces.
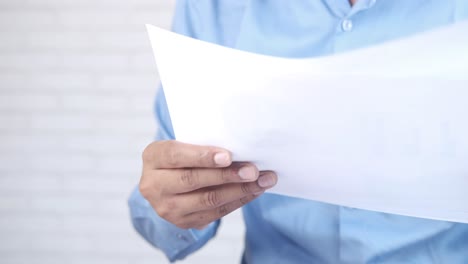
pixel 288 230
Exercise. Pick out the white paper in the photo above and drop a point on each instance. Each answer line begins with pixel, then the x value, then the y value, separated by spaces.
pixel 383 128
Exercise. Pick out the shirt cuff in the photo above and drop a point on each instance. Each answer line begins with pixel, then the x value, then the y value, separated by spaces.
pixel 176 243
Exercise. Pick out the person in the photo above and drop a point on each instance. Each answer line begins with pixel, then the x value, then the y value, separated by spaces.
pixel 185 189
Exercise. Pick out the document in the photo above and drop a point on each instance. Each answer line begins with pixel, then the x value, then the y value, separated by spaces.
pixel 382 128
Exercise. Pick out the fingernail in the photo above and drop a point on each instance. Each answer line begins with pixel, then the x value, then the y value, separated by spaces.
pixel 222 159
pixel 247 173
pixel 267 180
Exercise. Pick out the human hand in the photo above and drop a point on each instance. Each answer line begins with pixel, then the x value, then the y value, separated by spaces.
pixel 192 186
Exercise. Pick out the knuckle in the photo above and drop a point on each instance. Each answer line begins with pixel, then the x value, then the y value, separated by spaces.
pixel 169 153
pixel 145 189
pixel 201 218
pixel 189 178
pixel 186 225
pixel 224 210
pixel 150 183
pixel 211 198
pixel 166 209
pixel 183 223
pixel 174 157
pixel 171 205
pixel 167 144
pixel 164 212
pixel 148 153
pixel 225 175
pixel 245 200
pixel 204 155
pixel 246 188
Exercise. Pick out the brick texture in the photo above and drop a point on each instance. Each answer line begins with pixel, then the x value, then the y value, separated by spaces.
pixel 77 84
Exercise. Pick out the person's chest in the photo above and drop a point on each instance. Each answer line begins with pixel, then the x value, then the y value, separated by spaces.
pixel 314 28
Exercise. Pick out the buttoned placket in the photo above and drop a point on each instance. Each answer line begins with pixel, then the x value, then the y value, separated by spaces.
pixel 347 24
pixel 348 214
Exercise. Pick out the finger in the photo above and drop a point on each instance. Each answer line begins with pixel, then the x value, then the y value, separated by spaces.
pixel 209 198
pixel 190 179
pixel 172 154
pixel 203 218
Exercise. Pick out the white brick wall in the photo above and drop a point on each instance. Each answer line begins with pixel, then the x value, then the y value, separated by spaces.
pixel 77 83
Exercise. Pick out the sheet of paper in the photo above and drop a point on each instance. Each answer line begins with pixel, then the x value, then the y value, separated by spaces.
pixel 383 128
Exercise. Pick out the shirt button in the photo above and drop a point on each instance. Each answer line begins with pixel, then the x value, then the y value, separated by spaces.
pixel 347 25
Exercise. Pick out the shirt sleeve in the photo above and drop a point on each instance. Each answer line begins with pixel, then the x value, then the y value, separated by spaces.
pixel 175 242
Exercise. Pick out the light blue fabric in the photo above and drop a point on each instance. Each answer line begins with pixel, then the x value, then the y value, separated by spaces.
pixel 288 230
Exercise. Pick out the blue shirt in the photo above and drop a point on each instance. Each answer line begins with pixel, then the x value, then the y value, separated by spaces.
pixel 288 230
